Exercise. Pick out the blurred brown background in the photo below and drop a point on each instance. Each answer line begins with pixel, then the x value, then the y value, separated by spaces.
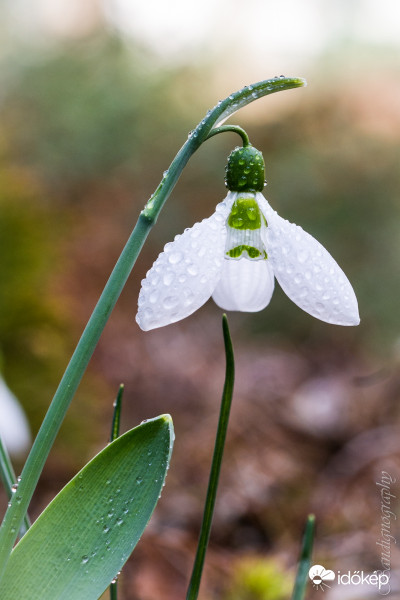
pixel 96 98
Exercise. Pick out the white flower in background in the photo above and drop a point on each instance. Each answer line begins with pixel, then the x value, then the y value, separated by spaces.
pixel 235 255
pixel 14 428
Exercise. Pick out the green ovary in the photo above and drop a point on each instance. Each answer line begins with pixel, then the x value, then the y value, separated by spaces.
pixel 245 214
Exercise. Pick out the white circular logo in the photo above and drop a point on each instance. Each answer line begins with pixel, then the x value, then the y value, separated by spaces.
pixel 319 576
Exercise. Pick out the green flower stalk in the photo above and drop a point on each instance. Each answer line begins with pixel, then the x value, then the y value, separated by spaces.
pixel 225 408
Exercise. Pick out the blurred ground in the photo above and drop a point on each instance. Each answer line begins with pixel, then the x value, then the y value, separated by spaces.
pixel 86 130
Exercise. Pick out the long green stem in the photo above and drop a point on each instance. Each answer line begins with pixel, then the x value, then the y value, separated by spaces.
pixel 86 345
pixel 226 402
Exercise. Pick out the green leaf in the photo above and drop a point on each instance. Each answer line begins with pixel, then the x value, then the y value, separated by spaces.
pixel 304 560
pixel 80 542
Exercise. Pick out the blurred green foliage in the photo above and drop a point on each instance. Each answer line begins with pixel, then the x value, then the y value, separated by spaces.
pixel 36 329
pixel 259 579
pixel 31 331
pixel 80 112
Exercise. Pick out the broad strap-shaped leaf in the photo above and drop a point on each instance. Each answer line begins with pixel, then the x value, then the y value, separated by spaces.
pixel 82 539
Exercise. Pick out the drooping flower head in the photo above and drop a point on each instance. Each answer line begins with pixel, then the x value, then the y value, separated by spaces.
pixel 235 255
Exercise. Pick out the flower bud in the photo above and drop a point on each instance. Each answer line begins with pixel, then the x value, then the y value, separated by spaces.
pixel 245 171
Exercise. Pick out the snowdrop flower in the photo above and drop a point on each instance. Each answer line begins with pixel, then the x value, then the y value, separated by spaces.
pixel 235 255
pixel 14 428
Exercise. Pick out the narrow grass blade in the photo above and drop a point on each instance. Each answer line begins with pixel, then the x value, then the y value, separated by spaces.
pixel 6 469
pixel 10 481
pixel 226 401
pixel 304 560
pixel 80 542
pixel 116 420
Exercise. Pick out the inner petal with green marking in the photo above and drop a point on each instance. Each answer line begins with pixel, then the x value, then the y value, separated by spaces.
pixel 244 226
pixel 245 213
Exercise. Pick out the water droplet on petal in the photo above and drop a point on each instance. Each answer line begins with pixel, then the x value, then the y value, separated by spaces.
pixel 302 256
pixel 175 258
pixel 154 297
pixel 170 301
pixel 192 270
pixel 168 278
pixel 303 292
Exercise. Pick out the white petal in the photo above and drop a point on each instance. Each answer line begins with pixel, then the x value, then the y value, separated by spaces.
pixel 185 274
pixel 245 285
pixel 14 428
pixel 307 272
